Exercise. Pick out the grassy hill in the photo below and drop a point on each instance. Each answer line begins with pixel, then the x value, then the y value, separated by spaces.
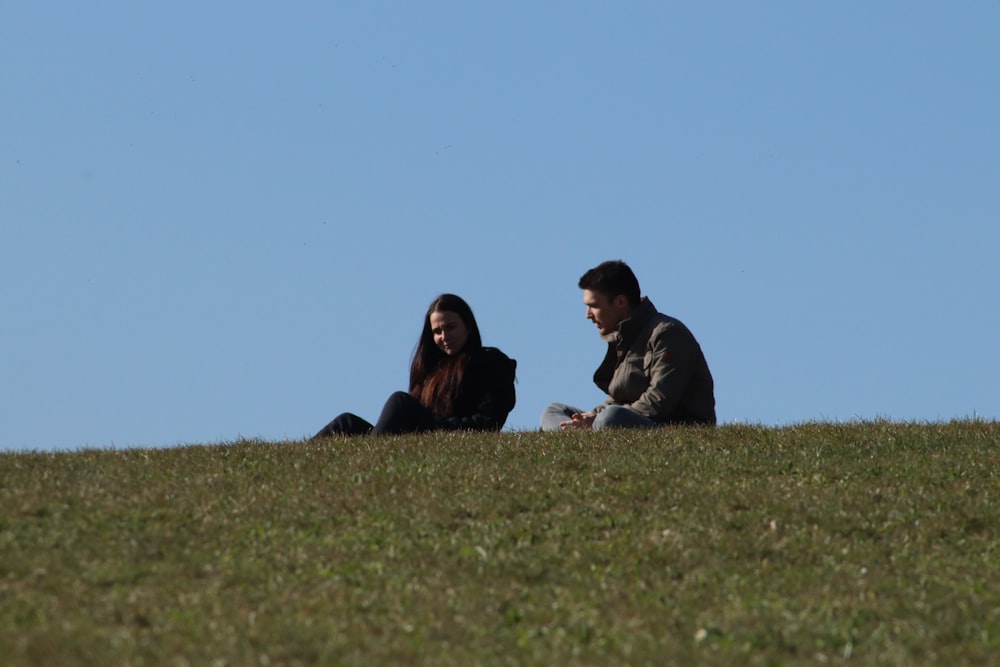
pixel 869 543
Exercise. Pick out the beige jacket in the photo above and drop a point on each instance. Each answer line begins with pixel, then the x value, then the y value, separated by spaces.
pixel 655 366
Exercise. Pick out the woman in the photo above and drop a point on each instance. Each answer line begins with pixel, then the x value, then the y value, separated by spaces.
pixel 455 382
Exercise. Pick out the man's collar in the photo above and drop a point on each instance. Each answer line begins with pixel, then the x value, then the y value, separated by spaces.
pixel 635 320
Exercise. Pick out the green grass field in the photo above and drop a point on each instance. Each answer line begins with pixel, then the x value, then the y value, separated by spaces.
pixel 870 543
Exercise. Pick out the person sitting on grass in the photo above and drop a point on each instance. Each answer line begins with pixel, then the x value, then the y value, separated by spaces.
pixel 455 382
pixel 654 372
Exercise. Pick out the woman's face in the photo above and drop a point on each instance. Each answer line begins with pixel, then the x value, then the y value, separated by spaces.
pixel 450 332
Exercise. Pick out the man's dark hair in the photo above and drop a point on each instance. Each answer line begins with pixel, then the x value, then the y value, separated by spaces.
pixel 612 278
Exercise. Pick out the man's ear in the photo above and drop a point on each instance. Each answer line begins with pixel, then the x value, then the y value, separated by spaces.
pixel 621 301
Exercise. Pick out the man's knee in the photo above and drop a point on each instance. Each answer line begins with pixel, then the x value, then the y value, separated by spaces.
pixel 554 414
pixel 616 416
pixel 558 409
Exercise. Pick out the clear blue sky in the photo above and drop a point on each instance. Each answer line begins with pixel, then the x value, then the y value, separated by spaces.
pixel 225 220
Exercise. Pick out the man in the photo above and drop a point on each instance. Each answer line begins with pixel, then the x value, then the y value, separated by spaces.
pixel 654 372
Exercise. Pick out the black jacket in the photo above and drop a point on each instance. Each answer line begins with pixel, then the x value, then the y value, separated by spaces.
pixel 486 396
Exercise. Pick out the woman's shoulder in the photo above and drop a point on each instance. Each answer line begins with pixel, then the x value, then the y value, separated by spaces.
pixel 492 357
pixel 491 353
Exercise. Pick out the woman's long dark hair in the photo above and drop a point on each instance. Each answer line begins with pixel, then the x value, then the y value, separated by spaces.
pixel 435 377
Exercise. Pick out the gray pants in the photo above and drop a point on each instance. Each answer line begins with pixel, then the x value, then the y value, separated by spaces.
pixel 613 416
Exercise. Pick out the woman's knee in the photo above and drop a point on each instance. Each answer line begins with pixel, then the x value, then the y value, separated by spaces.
pixel 345 423
pixel 403 413
pixel 399 399
pixel 399 406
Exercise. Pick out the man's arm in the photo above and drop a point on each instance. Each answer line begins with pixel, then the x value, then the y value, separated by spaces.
pixel 673 350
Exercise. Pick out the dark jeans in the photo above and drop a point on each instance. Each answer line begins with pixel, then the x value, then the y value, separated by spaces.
pixel 401 414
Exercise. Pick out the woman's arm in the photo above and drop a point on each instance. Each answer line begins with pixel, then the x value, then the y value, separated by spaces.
pixel 489 394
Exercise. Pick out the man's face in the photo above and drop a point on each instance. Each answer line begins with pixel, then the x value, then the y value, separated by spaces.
pixel 606 312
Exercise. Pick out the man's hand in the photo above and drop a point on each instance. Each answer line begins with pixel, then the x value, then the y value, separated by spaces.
pixel 580 421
